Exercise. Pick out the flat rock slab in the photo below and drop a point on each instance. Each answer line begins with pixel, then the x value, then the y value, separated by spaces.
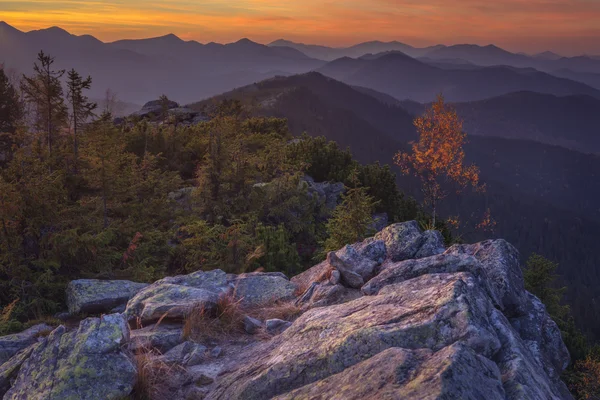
pixel 500 260
pixel 175 297
pixel 162 337
pixel 12 344
pixel 258 289
pixel 432 311
pixel 87 363
pixel 455 372
pixel 95 296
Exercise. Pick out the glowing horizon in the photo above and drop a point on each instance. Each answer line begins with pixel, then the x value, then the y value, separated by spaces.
pixel 568 27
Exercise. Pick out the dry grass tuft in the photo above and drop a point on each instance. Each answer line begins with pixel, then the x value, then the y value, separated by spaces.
pixel 155 378
pixel 226 320
pixel 287 311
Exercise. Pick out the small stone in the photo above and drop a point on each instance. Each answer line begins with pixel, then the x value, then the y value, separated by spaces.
pixel 204 380
pixel 251 325
pixel 216 352
pixel 335 277
pixel 348 277
pixel 277 325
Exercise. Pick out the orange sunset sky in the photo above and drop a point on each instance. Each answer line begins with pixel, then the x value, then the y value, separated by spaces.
pixel 566 26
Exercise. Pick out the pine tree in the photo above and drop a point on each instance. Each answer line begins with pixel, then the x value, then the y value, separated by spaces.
pixel 351 220
pixel 10 113
pixel 44 92
pixel 81 108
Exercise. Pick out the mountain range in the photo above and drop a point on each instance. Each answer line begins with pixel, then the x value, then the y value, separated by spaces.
pixel 142 69
pixel 404 77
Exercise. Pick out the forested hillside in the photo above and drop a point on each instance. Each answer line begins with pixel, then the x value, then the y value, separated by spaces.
pixel 83 197
pixel 541 196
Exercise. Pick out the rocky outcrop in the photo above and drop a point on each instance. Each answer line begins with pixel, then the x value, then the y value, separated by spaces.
pixel 162 337
pixel 175 297
pixel 96 296
pixel 257 289
pixel 87 363
pixel 393 317
pixel 154 108
pixel 12 344
pixel 327 193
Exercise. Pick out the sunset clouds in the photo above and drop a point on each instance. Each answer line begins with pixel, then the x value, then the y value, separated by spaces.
pixel 568 26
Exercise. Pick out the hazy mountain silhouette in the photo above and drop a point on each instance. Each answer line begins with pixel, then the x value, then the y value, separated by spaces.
pixel 568 121
pixel 407 78
pixel 356 51
pixel 542 196
pixel 143 69
pixel 493 55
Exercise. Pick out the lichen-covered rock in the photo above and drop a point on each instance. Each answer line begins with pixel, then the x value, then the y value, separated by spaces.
pixel 276 325
pixel 433 244
pixel 431 311
pixel 162 337
pixel 187 353
pixel 455 372
pixel 402 240
pixel 87 363
pixel 542 337
pixel 12 344
pixel 10 369
pixel 326 294
pixel 500 260
pixel 349 277
pixel 258 288
pixel 176 296
pixel 326 192
pixel 405 270
pixel 95 296
pixel 372 249
pixel 356 262
pixel 251 325
pixel 215 280
pixel 523 376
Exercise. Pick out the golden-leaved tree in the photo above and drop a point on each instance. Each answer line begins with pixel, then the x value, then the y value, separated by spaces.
pixel 438 157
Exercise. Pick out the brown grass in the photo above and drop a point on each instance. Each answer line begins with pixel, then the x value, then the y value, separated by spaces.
pixel 155 378
pixel 304 284
pixel 226 320
pixel 7 311
pixel 287 311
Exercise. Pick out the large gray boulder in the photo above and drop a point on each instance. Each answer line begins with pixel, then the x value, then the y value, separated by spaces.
pixel 409 269
pixel 327 193
pixel 431 329
pixel 12 344
pixel 455 372
pixel 259 288
pixel 154 108
pixel 404 241
pixel 88 363
pixel 162 337
pixel 10 369
pixel 175 297
pixel 500 260
pixel 95 296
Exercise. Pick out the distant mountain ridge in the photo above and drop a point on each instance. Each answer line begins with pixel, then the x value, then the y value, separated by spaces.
pixel 146 68
pixel 404 77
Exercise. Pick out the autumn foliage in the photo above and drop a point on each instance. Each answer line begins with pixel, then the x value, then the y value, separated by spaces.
pixel 437 158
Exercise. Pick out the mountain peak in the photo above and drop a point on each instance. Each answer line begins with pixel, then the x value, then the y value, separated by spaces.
pixel 245 41
pixel 171 37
